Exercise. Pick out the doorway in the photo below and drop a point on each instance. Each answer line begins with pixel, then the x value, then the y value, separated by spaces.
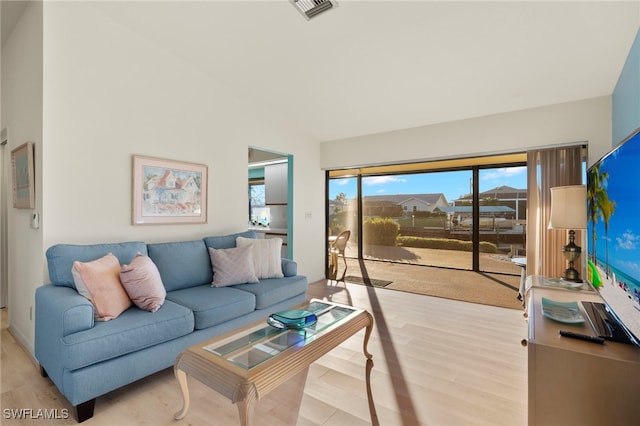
pixel 270 196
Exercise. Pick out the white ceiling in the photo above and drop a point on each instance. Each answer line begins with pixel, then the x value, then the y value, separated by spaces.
pixel 372 66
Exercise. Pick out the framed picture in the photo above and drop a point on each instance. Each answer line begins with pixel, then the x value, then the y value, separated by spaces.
pixel 23 176
pixel 167 191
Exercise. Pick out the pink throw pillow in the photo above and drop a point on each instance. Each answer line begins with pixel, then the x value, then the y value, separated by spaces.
pixel 99 281
pixel 141 279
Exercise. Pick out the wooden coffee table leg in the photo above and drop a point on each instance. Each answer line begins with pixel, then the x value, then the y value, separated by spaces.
pixel 245 398
pixel 367 335
pixel 182 379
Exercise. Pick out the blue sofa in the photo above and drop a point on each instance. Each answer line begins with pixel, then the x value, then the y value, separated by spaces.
pixel 86 359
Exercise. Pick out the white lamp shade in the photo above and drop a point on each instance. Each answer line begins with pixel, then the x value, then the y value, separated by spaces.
pixel 568 207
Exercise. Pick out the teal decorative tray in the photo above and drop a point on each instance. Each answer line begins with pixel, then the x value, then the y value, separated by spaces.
pixel 567 312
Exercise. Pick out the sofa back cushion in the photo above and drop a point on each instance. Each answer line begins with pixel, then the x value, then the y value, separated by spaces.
pixel 227 241
pixel 60 257
pixel 182 264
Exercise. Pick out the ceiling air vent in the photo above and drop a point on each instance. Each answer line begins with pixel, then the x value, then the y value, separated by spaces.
pixel 311 8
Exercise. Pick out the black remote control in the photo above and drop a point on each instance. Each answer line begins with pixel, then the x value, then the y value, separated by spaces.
pixel 593 339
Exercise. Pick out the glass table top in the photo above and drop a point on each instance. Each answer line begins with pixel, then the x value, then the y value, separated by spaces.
pixel 265 342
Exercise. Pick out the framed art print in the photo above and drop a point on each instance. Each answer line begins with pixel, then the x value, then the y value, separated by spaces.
pixel 23 176
pixel 168 191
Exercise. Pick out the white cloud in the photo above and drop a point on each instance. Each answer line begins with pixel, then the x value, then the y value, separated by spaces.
pixel 630 266
pixel 628 240
pixel 382 180
pixel 505 172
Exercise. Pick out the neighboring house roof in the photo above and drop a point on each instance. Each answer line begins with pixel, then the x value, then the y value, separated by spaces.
pixel 402 198
pixel 414 200
pixel 503 192
pixel 483 209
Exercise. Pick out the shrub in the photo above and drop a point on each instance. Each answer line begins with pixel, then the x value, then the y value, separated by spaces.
pixel 339 221
pixel 445 244
pixel 380 231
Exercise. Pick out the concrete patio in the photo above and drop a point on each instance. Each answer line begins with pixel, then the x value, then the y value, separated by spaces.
pixel 448 275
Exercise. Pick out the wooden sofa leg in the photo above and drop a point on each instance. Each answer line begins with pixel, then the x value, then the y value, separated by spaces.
pixel 84 411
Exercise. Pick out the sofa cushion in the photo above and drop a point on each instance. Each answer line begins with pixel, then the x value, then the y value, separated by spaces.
pixel 266 256
pixel 99 281
pixel 274 290
pixel 212 306
pixel 227 241
pixel 232 266
pixel 182 264
pixel 141 279
pixel 133 330
pixel 60 257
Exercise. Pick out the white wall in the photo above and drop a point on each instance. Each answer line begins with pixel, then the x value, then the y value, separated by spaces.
pixel 22 115
pixel 582 121
pixel 111 94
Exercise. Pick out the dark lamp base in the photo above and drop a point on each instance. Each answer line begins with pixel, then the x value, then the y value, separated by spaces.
pixel 572 253
pixel 573 280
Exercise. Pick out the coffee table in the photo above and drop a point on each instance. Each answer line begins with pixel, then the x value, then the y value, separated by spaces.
pixel 247 364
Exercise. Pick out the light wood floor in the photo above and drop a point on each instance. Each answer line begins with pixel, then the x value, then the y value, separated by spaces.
pixel 436 362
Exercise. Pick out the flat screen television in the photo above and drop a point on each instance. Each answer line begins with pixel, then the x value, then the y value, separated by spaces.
pixel 613 232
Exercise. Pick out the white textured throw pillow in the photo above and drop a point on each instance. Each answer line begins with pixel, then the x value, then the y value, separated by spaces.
pixel 267 258
pixel 232 266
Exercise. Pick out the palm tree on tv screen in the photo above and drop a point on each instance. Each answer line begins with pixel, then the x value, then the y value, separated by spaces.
pixel 599 206
pixel 607 208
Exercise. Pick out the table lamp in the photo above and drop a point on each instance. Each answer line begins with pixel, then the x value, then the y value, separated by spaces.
pixel 569 211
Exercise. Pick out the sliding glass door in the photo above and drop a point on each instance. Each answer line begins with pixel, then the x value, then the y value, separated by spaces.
pixel 407 218
pixel 343 213
pixel 465 214
pixel 503 209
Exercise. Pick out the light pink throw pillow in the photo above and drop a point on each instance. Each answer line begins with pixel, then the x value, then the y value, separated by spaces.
pixel 142 282
pixel 99 281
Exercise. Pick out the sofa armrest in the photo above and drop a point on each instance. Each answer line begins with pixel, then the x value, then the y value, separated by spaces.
pixel 289 267
pixel 61 311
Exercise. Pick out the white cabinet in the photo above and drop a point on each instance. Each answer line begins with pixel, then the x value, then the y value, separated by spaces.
pixel 276 183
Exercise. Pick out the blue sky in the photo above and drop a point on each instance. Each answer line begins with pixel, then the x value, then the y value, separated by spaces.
pixel 452 184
